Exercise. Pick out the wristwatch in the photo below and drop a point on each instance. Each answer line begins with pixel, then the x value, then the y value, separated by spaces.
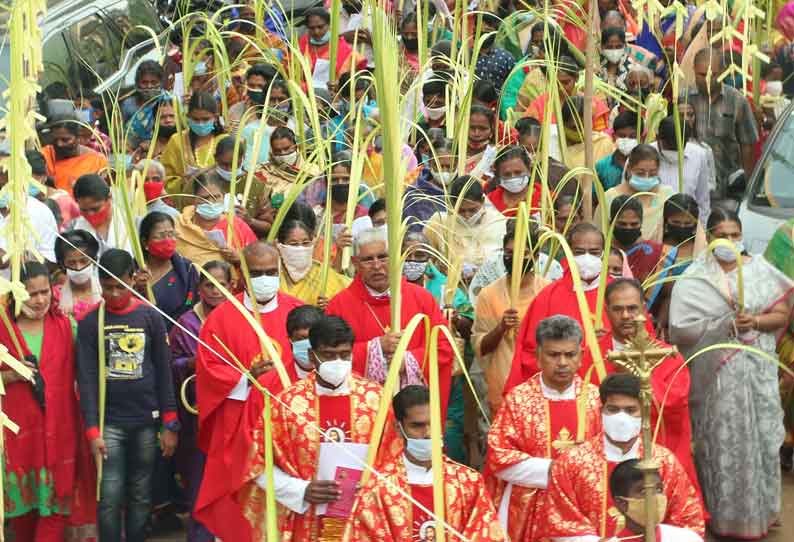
pixel 174 426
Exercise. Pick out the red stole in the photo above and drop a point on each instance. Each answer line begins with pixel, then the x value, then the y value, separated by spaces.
pixel 643 258
pixel 562 421
pixel 421 520
pixel 335 418
pixel 47 438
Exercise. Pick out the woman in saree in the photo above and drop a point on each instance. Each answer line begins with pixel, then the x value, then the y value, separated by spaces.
pixel 189 460
pixel 481 148
pixel 315 46
pixel 40 475
pixel 76 251
pixel 737 419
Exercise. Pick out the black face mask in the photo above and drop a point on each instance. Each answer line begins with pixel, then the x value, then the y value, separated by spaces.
pixel 67 152
pixel 411 44
pixel 679 234
pixel 640 93
pixel 166 131
pixel 340 192
pixel 489 41
pixel 257 97
pixel 508 261
pixel 627 236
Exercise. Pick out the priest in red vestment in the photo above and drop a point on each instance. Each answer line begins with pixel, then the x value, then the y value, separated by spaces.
pixel 578 503
pixel 539 420
pixel 587 244
pixel 382 512
pixel 322 428
pixel 670 380
pixel 366 305
pixel 228 406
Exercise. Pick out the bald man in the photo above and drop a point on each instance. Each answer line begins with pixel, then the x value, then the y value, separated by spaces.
pixel 228 407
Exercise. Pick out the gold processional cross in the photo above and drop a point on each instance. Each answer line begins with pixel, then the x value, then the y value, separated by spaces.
pixel 641 356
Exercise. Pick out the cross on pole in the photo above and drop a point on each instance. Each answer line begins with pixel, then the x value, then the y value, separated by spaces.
pixel 641 356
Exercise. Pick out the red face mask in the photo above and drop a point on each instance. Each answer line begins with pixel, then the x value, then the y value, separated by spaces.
pixel 162 248
pixel 119 303
pixel 100 217
pixel 153 190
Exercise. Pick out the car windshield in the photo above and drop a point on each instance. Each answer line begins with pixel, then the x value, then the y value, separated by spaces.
pixel 774 187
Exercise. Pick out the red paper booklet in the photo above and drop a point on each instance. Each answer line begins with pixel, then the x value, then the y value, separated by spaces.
pixel 347 479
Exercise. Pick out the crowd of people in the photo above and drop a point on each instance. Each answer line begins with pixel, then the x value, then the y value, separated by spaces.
pixel 154 332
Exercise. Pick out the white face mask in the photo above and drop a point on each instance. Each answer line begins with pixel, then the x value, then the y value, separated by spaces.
pixel 336 371
pixel 613 55
pixel 286 159
pixel 774 88
pixel 473 220
pixel 621 427
pixel 514 185
pixel 442 177
pixel 32 314
pixel 82 276
pixel 589 266
pixel 297 260
pixel 420 449
pixel 626 144
pixel 435 113
pixel 226 174
pixel 726 255
pixel 265 287
pixel 413 271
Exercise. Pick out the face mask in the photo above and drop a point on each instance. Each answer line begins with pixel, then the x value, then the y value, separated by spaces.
pixel 644 184
pixel 265 287
pixel 679 234
pixel 149 93
pixel 4 201
pixel 442 177
pixel 636 509
pixel 226 174
pixel 420 449
pixel 66 152
pixel 774 88
pixel 166 131
pixel 210 211
pixel 435 113
pixel 300 351
pixel 335 372
pixel 33 190
pixel 119 303
pixel 613 56
pixel 321 41
pixel 152 190
pixel 473 220
pixel 200 68
pixel 589 266
pixel 411 44
pixel 286 159
pixel 626 144
pixel 82 276
pixel 297 260
pixel 726 255
pixel 508 263
pixel 162 248
pixel 100 217
pixel 340 192
pixel 33 314
pixel 514 185
pixel 86 116
pixel 283 110
pixel 413 271
pixel 257 97
pixel 534 51
pixel 201 129
pixel 621 427
pixel 627 236
pixel 573 136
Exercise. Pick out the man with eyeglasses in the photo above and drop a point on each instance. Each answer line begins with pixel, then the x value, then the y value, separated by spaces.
pixel 366 303
pixel 228 406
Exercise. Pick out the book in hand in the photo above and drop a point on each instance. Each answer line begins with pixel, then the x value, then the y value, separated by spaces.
pixel 347 479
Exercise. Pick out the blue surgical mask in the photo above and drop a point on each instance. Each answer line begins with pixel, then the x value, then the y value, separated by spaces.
pixel 644 184
pixel 300 351
pixel 226 174
pixel 322 41
pixel 420 449
pixel 33 190
pixel 210 211
pixel 4 201
pixel 201 129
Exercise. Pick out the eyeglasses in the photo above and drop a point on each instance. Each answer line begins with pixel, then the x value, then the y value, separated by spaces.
pixel 370 261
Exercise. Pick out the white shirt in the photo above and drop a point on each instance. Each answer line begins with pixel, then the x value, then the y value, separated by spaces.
pixel 117 233
pixel 42 221
pixel 616 455
pixel 417 474
pixel 696 176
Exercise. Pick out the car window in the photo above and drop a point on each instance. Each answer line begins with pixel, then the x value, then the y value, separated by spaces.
pixel 96 47
pixel 773 188
pixel 57 63
pixel 129 15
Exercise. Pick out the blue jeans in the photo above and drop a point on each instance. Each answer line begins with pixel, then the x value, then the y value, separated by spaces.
pixel 127 482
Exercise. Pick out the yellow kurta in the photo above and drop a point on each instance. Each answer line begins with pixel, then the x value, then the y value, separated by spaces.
pixel 179 161
pixel 309 288
pixel 602 146
pixel 652 208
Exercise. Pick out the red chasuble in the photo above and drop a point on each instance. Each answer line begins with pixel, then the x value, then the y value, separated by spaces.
pixel 671 388
pixel 369 317
pixel 556 298
pixel 226 425
pixel 383 514
pixel 529 425
pixel 577 502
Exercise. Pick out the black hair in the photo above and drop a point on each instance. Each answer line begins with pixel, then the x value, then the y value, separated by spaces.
pixel 441 48
pixel 226 144
pixel 343 159
pixel 32 269
pixel 707 54
pixel 582 228
pixel 216 264
pixel 408 18
pixel 116 263
pixel 680 203
pixel 330 331
pixel 91 185
pixel 625 475
pixel 619 384
pixel 303 317
pixel 624 203
pixel 573 110
pixel 509 153
pixel 266 71
pixel 38 165
pixel 477 109
pixel 524 125
pixel 721 214
pixel 567 199
pixel 409 397
pixel 641 152
pixel 467 187
pixel 485 91
pixel 666 133
pixel 568 65
pixel 620 284
pixel 626 119
pixel 75 240
pixel 612 31
pixel 510 233
pixel 147 224
pixel 301 212
pixel 377 206
pixel 281 84
pixel 284 132
pixel 491 19
pixel 317 12
pixel 149 67
pixel 434 87
pixel 288 225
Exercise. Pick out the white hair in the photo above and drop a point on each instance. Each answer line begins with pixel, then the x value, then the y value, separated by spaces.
pixel 370 235
pixel 150 165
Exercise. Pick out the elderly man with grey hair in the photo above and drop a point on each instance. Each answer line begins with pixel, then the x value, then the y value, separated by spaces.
pixel 153 174
pixel 537 422
pixel 366 306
